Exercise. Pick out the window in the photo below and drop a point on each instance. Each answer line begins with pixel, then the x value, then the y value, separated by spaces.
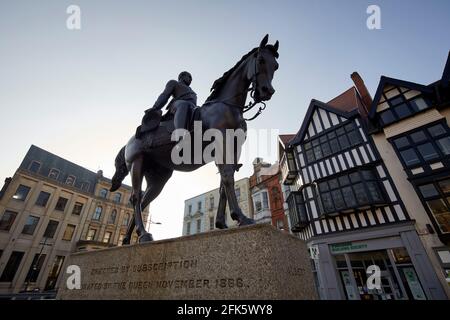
pixel 34 166
pixel 188 228
pixel 85 186
pixel 91 234
pixel 54 273
pixel 11 266
pixel 35 268
pixel 199 225
pixel 77 208
pixel 237 191
pixel 103 193
pixel 117 197
pixel 7 220
pixel 211 223
pixel 423 146
pixel 53 174
pixel 30 225
pixel 97 213
pixel 437 198
pixel 21 192
pixel 199 206
pixel 42 199
pixel 61 204
pixel 332 142
pixel 126 219
pixel 402 105
pixel 107 237
pixel 51 229
pixel 68 233
pixel 70 180
pixel 190 208
pixel 350 191
pixel 211 203
pixel 261 201
pixel 112 217
pixel 121 237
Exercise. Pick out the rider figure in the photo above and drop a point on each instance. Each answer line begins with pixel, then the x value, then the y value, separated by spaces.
pixel 184 100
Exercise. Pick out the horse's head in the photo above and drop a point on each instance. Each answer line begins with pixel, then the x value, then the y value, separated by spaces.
pixel 262 69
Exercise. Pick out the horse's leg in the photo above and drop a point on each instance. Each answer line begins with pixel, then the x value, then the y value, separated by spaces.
pixel 220 216
pixel 156 180
pixel 227 176
pixel 137 175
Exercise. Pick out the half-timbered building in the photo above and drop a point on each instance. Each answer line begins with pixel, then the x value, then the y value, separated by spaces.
pixel 344 204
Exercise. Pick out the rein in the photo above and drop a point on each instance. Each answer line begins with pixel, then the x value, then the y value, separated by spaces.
pixel 251 104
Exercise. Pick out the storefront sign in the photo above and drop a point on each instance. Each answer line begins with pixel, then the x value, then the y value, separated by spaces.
pixel 347 246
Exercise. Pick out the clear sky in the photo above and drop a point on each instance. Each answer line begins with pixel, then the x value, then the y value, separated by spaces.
pixel 81 93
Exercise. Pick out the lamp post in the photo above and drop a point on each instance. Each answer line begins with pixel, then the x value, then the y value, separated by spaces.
pixel 35 264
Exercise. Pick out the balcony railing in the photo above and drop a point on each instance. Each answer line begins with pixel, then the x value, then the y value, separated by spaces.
pixel 297 211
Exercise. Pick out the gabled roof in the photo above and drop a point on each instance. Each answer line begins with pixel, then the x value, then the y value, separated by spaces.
pixel 347 101
pixel 396 82
pixel 309 113
pixel 446 74
pixel 285 138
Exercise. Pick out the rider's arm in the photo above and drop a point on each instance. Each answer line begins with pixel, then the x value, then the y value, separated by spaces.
pixel 164 97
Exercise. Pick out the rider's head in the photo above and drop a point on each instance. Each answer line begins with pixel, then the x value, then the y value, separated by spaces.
pixel 185 77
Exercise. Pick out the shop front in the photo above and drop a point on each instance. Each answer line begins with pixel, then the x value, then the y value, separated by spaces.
pixel 344 269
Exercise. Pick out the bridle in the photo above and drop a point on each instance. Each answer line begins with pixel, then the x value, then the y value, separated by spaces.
pixel 252 89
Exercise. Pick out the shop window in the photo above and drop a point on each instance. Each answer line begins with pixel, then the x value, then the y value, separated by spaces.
pixel 436 196
pixel 107 237
pixel 91 234
pixel 35 268
pixel 54 273
pixel 332 142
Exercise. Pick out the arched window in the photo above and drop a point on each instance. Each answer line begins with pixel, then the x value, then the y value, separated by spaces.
pixel 126 219
pixel 103 193
pixel 112 217
pixel 97 213
pixel 117 197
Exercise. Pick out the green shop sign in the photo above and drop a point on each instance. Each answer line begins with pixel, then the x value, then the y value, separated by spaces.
pixel 347 246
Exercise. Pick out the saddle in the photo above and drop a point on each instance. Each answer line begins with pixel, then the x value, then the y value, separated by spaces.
pixel 156 130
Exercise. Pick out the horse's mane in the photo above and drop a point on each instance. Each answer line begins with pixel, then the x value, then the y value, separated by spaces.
pixel 217 85
pixel 219 82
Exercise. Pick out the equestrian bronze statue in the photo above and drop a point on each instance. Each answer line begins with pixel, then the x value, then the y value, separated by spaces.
pixel 149 155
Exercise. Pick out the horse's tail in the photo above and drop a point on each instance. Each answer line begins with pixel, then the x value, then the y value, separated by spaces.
pixel 121 170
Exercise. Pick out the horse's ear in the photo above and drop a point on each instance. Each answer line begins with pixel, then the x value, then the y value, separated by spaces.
pixel 264 41
pixel 276 45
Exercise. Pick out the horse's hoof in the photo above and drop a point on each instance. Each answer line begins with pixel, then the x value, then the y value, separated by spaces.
pixel 221 225
pixel 126 241
pixel 246 222
pixel 146 237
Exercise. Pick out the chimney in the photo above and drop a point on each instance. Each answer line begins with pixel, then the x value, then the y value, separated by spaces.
pixel 362 90
pixel 5 186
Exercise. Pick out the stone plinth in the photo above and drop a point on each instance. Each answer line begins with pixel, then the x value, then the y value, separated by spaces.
pixel 255 262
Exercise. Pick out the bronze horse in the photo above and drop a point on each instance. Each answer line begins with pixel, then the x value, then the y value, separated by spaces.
pixel 222 110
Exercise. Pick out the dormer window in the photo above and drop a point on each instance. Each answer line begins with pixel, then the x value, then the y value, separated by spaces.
pixel 34 166
pixel 70 180
pixel 53 174
pixel 103 193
